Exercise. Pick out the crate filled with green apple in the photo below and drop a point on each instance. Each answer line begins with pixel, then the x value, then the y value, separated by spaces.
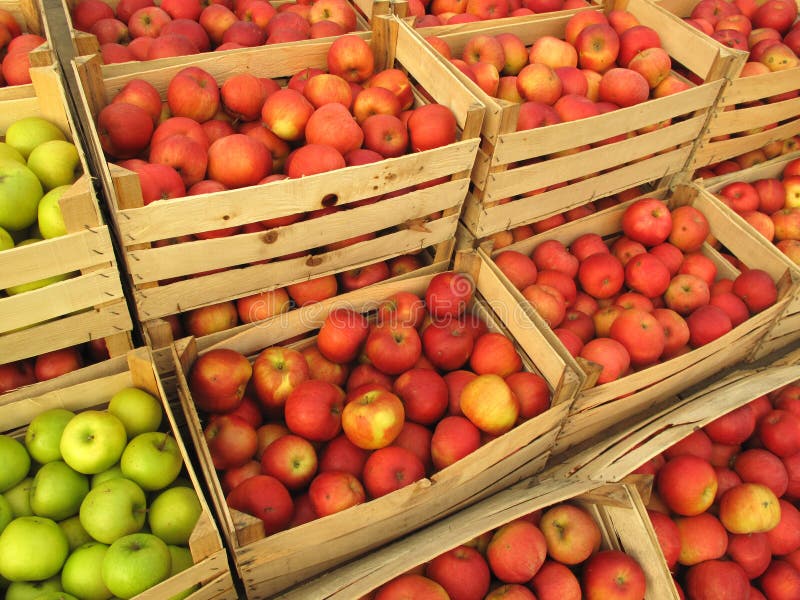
pixel 99 497
pixel 543 539
pixel 725 461
pixel 61 287
pixel 198 227
pixel 581 106
pixel 444 408
pixel 136 30
pixel 760 108
pixel 660 293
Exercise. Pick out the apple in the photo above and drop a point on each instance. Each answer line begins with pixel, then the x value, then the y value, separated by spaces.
pixel 613 573
pixel 81 575
pixel 393 348
pixel 292 460
pixel 351 58
pixel 490 404
pixel 448 294
pixel 462 571
pixel 231 441
pixel 424 395
pixel 18 497
pixel 276 372
pixel 687 484
pixel 152 459
pixel 92 441
pixel 25 134
pixel 333 491
pixel 390 468
pixel 57 491
pixel 781 580
pixel 263 497
pixel 712 576
pixel 758 465
pixel 313 410
pixel 516 551
pixel 372 417
pixel 686 293
pixel 453 438
pixel 32 549
pixel 173 514
pixel 49 220
pixel 124 129
pixel 20 192
pixel 135 563
pixel 42 437
pixel 113 509
pixel 690 228
pixel 55 163
pixel 431 126
pixel 648 221
pixel 342 334
pixel 601 275
pixel 138 410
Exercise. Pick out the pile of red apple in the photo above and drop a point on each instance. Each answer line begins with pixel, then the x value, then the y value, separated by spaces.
pixel 372 406
pixel 14 48
pixel 263 305
pixel 147 30
pixel 605 62
pixel 749 158
pixel 648 297
pixel 726 509
pixel 249 131
pixel 432 13
pixel 772 206
pixel 550 554
pixel 50 365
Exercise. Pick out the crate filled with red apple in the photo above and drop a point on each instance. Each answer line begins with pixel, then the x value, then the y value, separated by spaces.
pixel 581 106
pixel 24 43
pixel 436 14
pixel 411 402
pixel 273 201
pixel 725 462
pixel 99 497
pixel 771 151
pixel 658 295
pixel 765 201
pixel 58 275
pixel 760 107
pixel 143 30
pixel 546 539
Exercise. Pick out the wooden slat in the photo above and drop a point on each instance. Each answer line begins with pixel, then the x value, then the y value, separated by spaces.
pixel 744 119
pixel 757 87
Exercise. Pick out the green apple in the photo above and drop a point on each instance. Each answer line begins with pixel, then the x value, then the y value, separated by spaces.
pixel 50 219
pixel 39 283
pixel 135 563
pixel 6 514
pixel 81 574
pixel 56 596
pixel 19 498
pixel 58 491
pixel 25 134
pixel 93 441
pixel 15 460
pixel 181 560
pixel 173 514
pixel 32 548
pixel 6 241
pixel 139 411
pixel 76 534
pixel 55 162
pixel 152 459
pixel 30 590
pixel 20 192
pixel 43 436
pixel 113 509
pixel 7 151
pixel 111 473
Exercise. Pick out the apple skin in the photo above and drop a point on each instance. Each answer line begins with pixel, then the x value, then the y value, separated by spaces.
pixel 231 441
pixel 495 353
pixel 313 410
pixel 391 468
pixel 372 417
pixel 647 221
pixel 292 460
pixel 340 454
pixel 454 438
pixel 276 372
pixel 424 394
pixel 462 572
pixel 490 404
pixel 57 491
pixel 218 380
pixel 41 439
pixel 393 349
pixel 612 573
pixel 687 484
pixel 342 334
pixel 333 491
pixel 516 551
pixel 570 532
pixel 702 537
pixel 264 497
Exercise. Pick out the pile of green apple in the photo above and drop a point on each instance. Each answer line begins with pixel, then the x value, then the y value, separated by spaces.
pixel 92 505
pixel 37 165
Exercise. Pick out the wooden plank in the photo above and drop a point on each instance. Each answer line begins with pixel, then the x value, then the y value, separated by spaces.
pixel 749 118
pixel 712 152
pixel 758 87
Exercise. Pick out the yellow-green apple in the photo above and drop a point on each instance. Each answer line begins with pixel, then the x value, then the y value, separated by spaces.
pixel 372 417
pixel 314 410
pixel 333 491
pixel 152 459
pixel 687 484
pixel 613 573
pixel 32 549
pixel 218 380
pixel 57 491
pixel 431 126
pixel 462 571
pixel 292 460
pixel 703 537
pixel 112 509
pixel 488 402
pixel 18 462
pixel 424 395
pixel 453 438
pixel 44 434
pixel 390 468
pixel 92 441
pixel 264 497
pixel 351 58
pixel 55 162
pixel 173 514
pixel 553 52
pixel 516 551
pixel 81 574
pixel 539 83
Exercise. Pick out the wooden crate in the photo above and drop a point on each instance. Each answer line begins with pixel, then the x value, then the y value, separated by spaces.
pixel 270 564
pixel 628 444
pixel 210 570
pixel 85 307
pixel 139 225
pixel 726 135
pixel 84 43
pixel 598 407
pixel 786 329
pixel 511 163
pixel 619 510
